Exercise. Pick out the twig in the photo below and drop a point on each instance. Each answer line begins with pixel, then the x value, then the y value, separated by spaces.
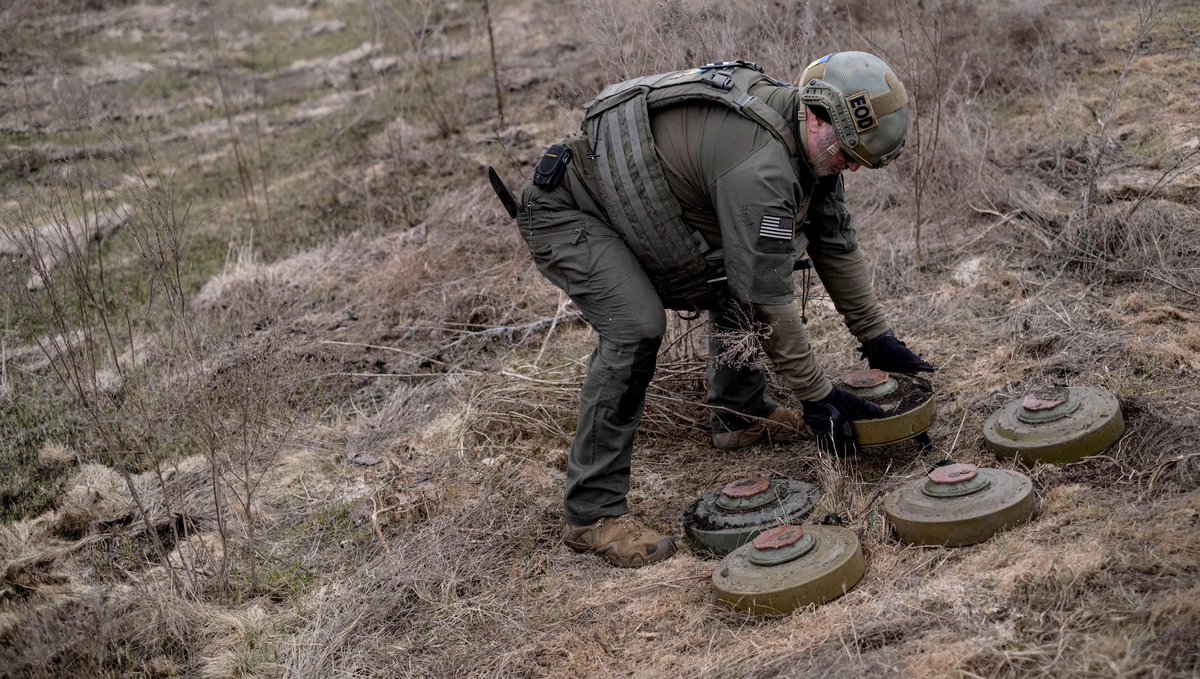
pixel 1146 22
pixel 1164 280
pixel 401 375
pixel 561 383
pixel 955 441
pixel 1162 179
pixel 375 511
pixel 1004 219
pixel 511 330
pixel 1158 471
pixel 854 631
pixel 562 306
pixel 376 346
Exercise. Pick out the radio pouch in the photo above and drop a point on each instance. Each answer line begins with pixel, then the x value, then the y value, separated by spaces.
pixel 551 167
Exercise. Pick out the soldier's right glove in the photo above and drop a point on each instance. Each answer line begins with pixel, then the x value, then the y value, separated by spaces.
pixel 889 353
pixel 830 420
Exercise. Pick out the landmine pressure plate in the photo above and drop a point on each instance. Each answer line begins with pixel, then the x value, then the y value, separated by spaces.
pixel 1055 425
pixel 728 518
pixel 959 504
pixel 789 567
pixel 906 399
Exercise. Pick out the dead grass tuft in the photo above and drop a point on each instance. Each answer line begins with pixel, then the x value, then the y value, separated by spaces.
pixel 245 643
pixel 29 561
pixel 443 579
pixel 97 498
pixel 55 456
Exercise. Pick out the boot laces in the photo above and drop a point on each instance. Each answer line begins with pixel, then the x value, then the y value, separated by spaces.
pixel 632 525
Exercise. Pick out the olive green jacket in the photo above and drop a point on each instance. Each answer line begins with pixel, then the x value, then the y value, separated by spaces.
pixel 738 185
pixel 741 189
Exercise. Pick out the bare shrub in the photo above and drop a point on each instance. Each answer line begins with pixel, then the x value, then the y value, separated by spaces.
pixel 435 38
pixel 1159 239
pixel 134 421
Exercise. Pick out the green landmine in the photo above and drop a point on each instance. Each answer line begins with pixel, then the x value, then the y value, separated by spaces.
pixel 907 400
pixel 728 518
pixel 959 504
pixel 1056 425
pixel 790 567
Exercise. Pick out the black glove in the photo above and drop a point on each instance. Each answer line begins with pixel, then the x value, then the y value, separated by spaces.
pixel 891 355
pixel 830 419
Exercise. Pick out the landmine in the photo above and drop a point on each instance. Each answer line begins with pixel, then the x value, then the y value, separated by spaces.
pixel 790 567
pixel 1055 425
pixel 728 518
pixel 907 401
pixel 959 504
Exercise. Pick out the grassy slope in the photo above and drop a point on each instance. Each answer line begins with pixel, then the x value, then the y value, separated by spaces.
pixel 407 524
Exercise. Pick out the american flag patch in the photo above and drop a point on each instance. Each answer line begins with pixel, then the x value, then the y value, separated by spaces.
pixel 774 226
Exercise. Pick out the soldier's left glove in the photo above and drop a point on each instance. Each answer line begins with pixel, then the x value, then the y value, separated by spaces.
pixel 830 420
pixel 889 354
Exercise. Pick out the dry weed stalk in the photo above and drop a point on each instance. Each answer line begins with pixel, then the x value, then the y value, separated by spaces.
pixel 245 172
pixel 931 78
pixel 1148 19
pixel 487 17
pixel 741 346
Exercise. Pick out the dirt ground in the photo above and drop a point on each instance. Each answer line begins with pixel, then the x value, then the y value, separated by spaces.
pixel 283 394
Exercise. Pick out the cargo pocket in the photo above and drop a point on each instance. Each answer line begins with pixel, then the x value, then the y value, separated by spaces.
pixel 560 253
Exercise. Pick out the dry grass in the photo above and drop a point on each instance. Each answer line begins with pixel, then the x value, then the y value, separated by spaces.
pixel 346 456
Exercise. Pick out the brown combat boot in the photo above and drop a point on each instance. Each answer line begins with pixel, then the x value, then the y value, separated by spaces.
pixel 781 426
pixel 620 540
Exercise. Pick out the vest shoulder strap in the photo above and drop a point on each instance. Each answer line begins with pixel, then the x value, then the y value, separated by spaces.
pixel 727 83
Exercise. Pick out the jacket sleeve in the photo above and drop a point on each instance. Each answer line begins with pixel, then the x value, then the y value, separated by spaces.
pixel 755 202
pixel 791 354
pixel 839 262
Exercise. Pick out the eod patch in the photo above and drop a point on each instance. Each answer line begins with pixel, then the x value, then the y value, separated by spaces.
pixel 862 111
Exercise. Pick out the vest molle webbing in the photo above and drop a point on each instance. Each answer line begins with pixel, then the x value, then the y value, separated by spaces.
pixel 635 189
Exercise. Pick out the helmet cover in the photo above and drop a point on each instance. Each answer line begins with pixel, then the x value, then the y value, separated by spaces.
pixel 867 104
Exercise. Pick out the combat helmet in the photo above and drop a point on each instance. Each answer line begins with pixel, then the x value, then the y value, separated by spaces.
pixel 866 103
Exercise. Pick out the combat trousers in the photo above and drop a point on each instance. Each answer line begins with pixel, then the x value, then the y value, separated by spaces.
pixel 579 253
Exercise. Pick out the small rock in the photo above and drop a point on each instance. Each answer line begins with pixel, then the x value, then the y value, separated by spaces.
pixel 969 271
pixel 323 27
pixel 114 71
pixel 365 459
pixel 284 15
pixel 384 64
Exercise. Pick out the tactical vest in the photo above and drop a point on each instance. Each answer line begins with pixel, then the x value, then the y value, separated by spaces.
pixel 632 183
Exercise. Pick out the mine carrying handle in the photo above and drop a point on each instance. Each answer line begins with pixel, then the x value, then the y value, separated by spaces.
pixel 506 197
